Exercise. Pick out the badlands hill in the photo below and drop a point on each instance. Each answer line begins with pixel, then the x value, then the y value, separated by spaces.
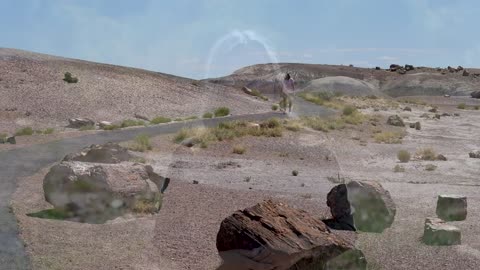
pixel 32 91
pixel 421 81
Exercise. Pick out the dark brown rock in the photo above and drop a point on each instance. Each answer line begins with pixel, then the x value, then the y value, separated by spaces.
pixel 475 94
pixel 284 238
pixel 395 120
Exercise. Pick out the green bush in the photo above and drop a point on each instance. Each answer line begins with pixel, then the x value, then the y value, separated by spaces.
pixel 349 110
pixel 69 79
pixel 111 127
pixel 398 168
pixel 461 106
pixel 193 117
pixel 222 111
pixel 426 154
pixel 87 127
pixel 48 131
pixel 403 156
pixel 274 107
pixel 142 143
pixel 430 167
pixel 160 120
pixel 26 131
pixel 239 149
pixel 207 115
pixel 476 108
pixel 388 137
pixel 132 123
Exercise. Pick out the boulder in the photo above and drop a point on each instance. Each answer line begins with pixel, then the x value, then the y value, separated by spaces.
pixel 80 122
pixel 451 69
pixel 407 109
pixel 475 94
pixel 103 124
pixel 441 157
pixel 105 153
pixel 418 126
pixel 395 120
pixel 11 140
pixel 248 91
pixel 411 125
pixel 378 68
pixel 433 110
pixel 409 67
pixel 474 154
pixel 276 236
pixel 459 68
pixel 337 201
pixel 437 116
pixel 373 207
pixel 452 207
pixel 394 67
pixel 446 114
pixel 95 192
pixel 465 73
pixel 437 232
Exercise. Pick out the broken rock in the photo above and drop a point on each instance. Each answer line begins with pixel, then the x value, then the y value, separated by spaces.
pixel 283 237
pixel 452 207
pixel 437 232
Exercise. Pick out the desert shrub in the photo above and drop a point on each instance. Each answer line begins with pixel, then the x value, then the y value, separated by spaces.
pixel 207 115
pixel 461 106
pixel 274 107
pixel 160 120
pixel 26 131
pixel 426 154
pixel 141 143
pixel 239 149
pixel 271 123
pixel 388 137
pixel 146 206
pixel 138 160
pixel 222 111
pixel 372 97
pixel 69 78
pixel 403 156
pixel 131 123
pixel 181 135
pixel 87 127
pixel 48 131
pixel 430 167
pixel 111 127
pixel 349 110
pixel 398 168
pixel 295 173
pixel 476 108
pixel 292 126
pixel 258 94
pixel 193 117
pixel 354 118
pixel 3 137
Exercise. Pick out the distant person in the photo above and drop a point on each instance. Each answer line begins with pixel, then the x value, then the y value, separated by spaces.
pixel 288 88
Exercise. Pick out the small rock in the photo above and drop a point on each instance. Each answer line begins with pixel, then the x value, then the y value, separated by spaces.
pixel 377 68
pixel 433 110
pixel 395 120
pixel 425 115
pixel 446 95
pixel 437 232
pixel 103 124
pixel 465 73
pixel 446 114
pixel 409 67
pixel 189 142
pixel 437 116
pixel 402 71
pixel 418 126
pixel 456 114
pixel 407 109
pixel 452 207
pixel 28 113
pixel 441 157
pixel 474 154
pixel 394 67
pixel 11 140
pixel 142 117
pixel 411 125
pixel 195 182
pixel 80 122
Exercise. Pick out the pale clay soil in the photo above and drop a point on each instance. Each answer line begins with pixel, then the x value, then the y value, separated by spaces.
pixel 182 235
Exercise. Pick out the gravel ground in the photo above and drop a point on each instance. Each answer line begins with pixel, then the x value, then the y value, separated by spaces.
pixel 182 235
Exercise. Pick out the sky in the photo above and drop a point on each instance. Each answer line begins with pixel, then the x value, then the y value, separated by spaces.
pixel 210 38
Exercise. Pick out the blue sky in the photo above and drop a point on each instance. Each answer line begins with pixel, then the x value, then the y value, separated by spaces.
pixel 200 38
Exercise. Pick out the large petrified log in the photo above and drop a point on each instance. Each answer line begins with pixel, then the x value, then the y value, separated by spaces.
pixel 272 234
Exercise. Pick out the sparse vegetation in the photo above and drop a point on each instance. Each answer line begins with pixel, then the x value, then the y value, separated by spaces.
pixel 111 127
pixel 146 206
pixel 228 131
pixel 3 137
pixel 426 154
pixel 274 107
pixel 349 110
pixel 430 167
pixel 222 111
pixel 476 108
pixel 259 95
pixel 26 131
pixel 207 115
pixel 462 106
pixel 324 99
pixel 48 131
pixel 239 149
pixel 57 214
pixel 388 137
pixel 141 143
pixel 131 123
pixel 292 126
pixel 398 168
pixel 403 156
pixel 160 120
pixel 69 78
pixel 87 127
pixel 414 101
pixel 138 160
